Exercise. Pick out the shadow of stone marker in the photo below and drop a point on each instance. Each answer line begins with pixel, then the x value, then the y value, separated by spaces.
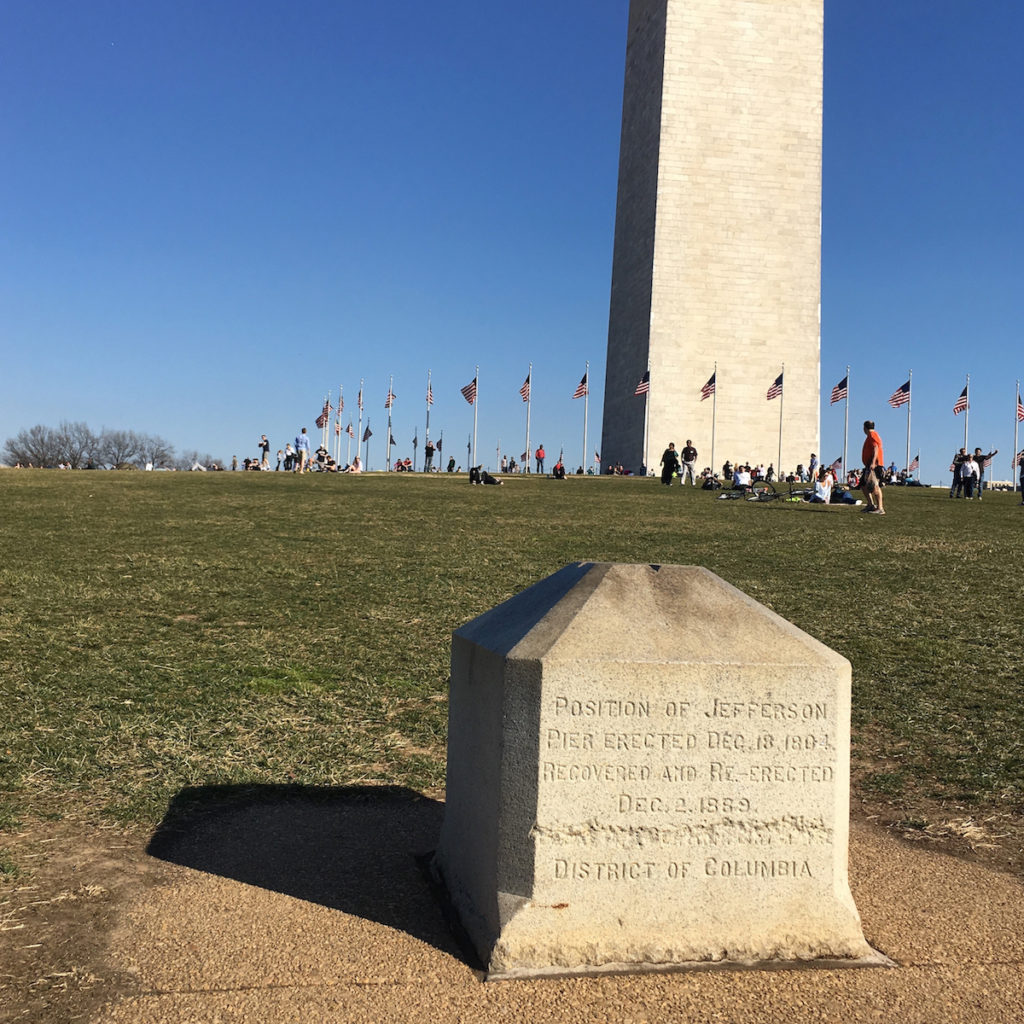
pixel 647 770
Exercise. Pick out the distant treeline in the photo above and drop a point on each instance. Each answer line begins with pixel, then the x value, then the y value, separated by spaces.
pixel 75 446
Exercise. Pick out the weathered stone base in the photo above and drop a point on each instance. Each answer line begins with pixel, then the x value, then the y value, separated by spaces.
pixel 647 770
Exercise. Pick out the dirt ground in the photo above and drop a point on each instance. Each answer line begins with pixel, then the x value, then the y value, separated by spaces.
pixel 275 908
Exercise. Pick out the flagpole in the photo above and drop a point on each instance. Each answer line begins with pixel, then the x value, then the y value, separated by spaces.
pixel 1016 421
pixel 426 436
pixel 586 402
pixel 337 432
pixel 967 408
pixel 348 446
pixel 714 416
pixel 476 405
pixel 387 460
pixel 359 432
pixel 846 424
pixel 647 422
pixel 529 400
pixel 910 402
pixel 782 401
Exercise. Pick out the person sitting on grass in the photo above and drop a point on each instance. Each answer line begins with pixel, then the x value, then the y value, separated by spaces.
pixel 479 475
pixel 822 489
pixel 741 479
pixel 559 471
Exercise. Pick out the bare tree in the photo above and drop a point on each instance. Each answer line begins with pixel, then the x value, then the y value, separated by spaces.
pixel 78 444
pixel 153 448
pixel 119 447
pixel 38 446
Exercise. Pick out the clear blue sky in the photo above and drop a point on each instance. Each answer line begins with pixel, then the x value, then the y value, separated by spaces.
pixel 212 213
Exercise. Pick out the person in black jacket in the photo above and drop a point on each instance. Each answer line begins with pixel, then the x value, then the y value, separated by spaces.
pixel 669 464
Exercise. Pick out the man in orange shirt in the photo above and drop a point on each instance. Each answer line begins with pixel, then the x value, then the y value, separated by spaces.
pixel 874 461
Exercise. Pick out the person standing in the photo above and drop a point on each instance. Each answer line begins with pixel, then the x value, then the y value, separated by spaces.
pixel 874 460
pixel 428 457
pixel 812 468
pixel 968 470
pixel 982 462
pixel 689 469
pixel 669 464
pixel 539 456
pixel 956 487
pixel 302 451
pixel 264 447
pixel 280 456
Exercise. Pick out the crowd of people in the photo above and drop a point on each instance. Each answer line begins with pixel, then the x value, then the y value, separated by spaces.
pixel 968 469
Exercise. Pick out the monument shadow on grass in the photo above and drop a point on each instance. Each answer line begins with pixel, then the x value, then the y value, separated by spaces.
pixel 357 849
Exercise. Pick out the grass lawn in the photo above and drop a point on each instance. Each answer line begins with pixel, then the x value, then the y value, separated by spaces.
pixel 165 630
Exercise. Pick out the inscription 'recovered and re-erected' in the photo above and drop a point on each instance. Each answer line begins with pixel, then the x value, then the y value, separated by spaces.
pixel 647 769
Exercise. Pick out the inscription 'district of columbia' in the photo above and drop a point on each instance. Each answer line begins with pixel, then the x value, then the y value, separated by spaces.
pixel 646 770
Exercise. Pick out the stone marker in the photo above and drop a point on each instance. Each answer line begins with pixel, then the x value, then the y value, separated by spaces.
pixel 647 770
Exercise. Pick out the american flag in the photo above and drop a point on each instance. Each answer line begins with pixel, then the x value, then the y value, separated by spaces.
pixel 359 400
pixel 1020 409
pixel 837 465
pixel 469 391
pixel 645 384
pixel 415 441
pixel 350 431
pixel 986 461
pixel 390 400
pixel 367 433
pixel 391 439
pixel 900 396
pixel 430 395
pixel 341 404
pixel 524 457
pixel 438 445
pixel 709 389
pixel 525 389
pixel 840 391
pixel 776 389
pixel 581 388
pixel 322 419
pixel 915 464
pixel 961 403
pixel 337 428
pixel 1019 457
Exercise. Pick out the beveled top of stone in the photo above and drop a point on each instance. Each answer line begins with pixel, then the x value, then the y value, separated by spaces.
pixel 606 611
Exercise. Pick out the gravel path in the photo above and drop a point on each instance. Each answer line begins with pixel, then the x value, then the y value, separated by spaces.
pixel 317 912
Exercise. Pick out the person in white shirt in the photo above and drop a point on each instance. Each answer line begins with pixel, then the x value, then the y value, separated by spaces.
pixel 969 475
pixel 822 489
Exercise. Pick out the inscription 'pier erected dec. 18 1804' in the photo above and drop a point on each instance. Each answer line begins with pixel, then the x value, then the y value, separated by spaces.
pixel 647 769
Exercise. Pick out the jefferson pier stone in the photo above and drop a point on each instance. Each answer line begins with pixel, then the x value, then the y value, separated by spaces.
pixel 717 252
pixel 647 769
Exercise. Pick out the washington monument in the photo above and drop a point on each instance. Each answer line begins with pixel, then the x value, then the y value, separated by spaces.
pixel 717 259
